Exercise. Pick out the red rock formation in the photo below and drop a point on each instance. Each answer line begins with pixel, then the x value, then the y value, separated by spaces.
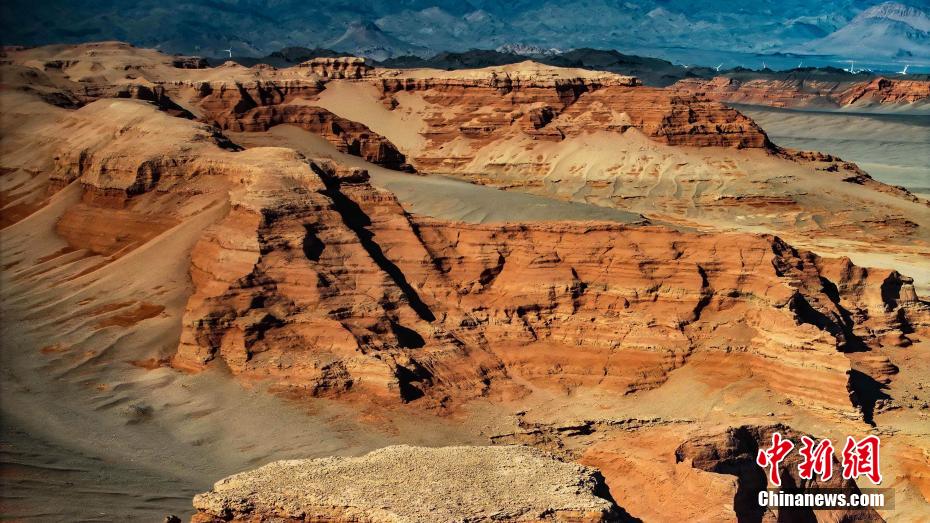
pixel 348 136
pixel 883 91
pixel 223 102
pixel 485 110
pixel 308 278
pixel 259 106
pixel 339 290
pixel 808 93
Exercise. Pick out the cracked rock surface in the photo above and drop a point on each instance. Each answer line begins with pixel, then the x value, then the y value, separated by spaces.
pixel 406 484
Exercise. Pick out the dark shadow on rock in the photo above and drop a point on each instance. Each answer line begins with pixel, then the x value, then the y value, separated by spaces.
pixel 865 392
pixel 411 380
pixel 839 325
pixel 312 246
pixel 407 337
pixel 356 220
pixel 619 514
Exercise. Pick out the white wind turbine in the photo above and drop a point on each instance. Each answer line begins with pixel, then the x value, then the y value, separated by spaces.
pixel 228 51
pixel 904 71
pixel 718 68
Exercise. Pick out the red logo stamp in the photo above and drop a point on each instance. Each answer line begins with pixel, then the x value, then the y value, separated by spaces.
pixel 817 459
pixel 774 455
pixel 859 458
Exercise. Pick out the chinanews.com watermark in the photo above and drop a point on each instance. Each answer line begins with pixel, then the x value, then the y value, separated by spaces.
pixel 827 499
pixel 858 459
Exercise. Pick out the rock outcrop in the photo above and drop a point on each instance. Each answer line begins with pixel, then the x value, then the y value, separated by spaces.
pixel 575 134
pixel 328 287
pixel 884 91
pixel 348 136
pixel 410 484
pixel 338 67
pixel 141 241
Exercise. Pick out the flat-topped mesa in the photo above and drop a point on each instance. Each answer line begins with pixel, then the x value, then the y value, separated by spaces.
pixel 404 484
pixel 524 75
pixel 338 67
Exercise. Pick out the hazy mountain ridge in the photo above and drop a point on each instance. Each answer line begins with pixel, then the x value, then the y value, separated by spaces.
pixel 890 29
pixel 381 29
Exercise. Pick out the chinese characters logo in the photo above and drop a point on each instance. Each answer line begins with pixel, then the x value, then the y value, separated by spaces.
pixel 859 458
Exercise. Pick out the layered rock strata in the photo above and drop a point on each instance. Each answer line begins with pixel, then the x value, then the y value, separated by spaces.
pixel 339 290
pixel 339 67
pixel 797 93
pixel 569 108
pixel 326 286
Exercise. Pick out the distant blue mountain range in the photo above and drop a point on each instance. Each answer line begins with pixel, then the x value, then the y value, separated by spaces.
pixel 855 29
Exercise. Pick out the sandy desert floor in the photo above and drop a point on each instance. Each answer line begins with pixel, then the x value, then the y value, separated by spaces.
pixel 893 148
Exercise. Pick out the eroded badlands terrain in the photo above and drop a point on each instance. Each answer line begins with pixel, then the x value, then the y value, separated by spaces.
pixel 209 269
pixel 809 92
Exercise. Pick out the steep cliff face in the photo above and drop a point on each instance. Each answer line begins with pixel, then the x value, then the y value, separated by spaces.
pixel 486 111
pixel 880 92
pixel 343 291
pixel 338 67
pixel 311 301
